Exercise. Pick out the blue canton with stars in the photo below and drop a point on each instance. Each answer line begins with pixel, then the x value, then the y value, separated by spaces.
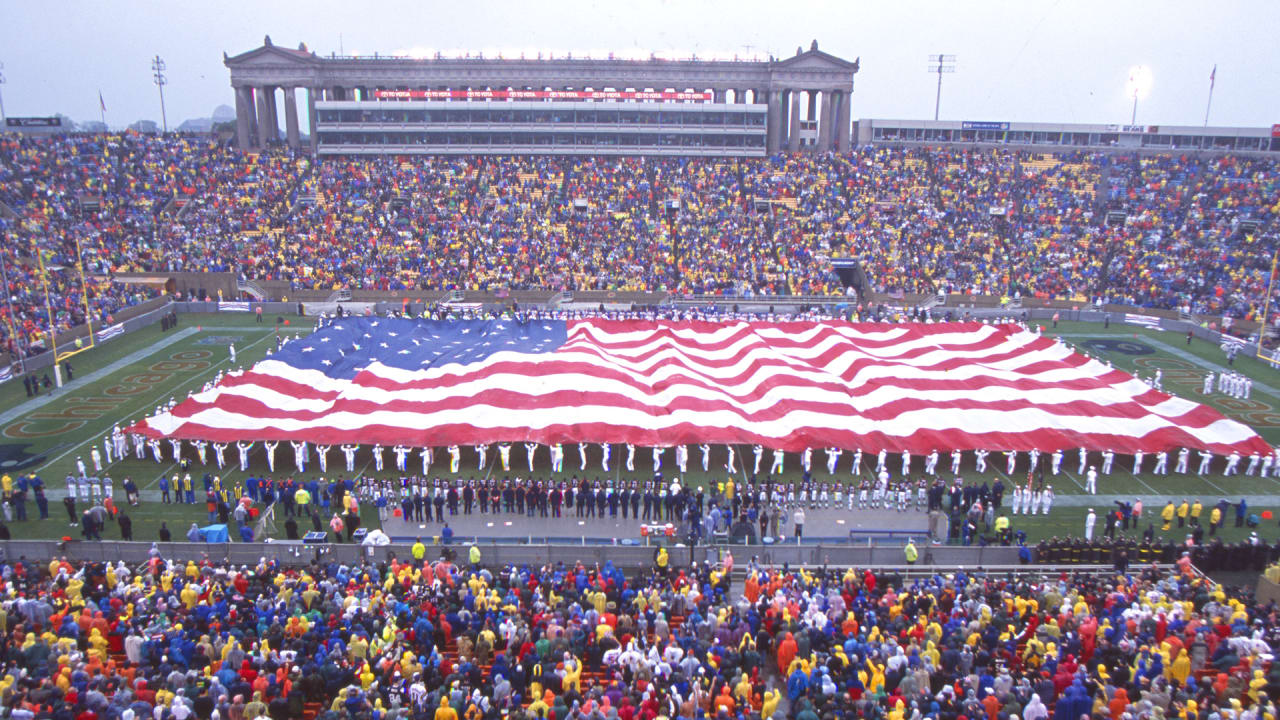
pixel 349 344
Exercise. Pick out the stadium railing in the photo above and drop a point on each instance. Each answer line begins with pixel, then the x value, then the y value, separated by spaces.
pixel 295 553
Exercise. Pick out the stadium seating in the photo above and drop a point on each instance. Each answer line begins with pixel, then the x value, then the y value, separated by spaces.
pixel 428 638
pixel 978 222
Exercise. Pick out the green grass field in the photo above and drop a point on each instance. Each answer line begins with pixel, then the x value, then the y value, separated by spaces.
pixel 126 378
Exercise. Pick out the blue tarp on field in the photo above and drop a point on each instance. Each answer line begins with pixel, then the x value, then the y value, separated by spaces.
pixel 214 533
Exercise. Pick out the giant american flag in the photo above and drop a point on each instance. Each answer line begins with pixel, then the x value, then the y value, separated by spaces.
pixel 787 385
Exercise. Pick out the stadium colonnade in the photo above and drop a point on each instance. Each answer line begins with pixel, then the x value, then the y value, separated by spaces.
pixel 738 106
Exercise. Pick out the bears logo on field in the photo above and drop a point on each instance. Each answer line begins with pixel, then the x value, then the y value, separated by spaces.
pixel 16 457
pixel 219 340
pixel 1125 347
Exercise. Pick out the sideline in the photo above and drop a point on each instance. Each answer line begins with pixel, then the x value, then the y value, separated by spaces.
pixel 21 409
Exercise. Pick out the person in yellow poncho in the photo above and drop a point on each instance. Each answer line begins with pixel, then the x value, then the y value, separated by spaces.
pixel 444 712
pixel 357 648
pixel 770 705
pixel 189 596
pixel 743 690
pixel 97 645
pixel 74 586
pixel 338 702
pixel 572 674
pixel 538 708
pixel 1180 668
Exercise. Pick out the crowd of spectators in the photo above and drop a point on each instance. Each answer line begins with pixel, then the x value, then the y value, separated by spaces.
pixel 1185 233
pixel 412 638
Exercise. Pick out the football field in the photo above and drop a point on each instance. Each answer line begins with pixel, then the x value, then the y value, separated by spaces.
pixel 128 377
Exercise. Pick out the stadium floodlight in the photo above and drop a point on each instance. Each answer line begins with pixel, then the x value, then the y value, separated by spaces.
pixel 940 63
pixel 2 115
pixel 1138 87
pixel 158 66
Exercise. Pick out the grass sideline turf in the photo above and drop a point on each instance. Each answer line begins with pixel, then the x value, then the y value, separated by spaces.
pixel 156 367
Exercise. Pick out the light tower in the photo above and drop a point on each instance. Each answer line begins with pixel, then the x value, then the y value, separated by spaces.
pixel 940 64
pixel 157 65
pixel 1138 87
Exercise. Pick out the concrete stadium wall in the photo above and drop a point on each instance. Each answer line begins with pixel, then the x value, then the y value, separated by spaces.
pixel 502 554
pixel 189 282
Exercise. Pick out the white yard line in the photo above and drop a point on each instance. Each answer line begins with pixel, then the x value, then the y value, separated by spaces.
pixel 1210 483
pixel 1074 480
pixel 1143 484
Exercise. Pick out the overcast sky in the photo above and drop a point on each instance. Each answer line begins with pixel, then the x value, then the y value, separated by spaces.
pixel 1020 60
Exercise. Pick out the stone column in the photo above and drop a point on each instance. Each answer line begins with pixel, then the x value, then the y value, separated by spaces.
pixel 273 110
pixel 719 96
pixel 793 139
pixel 244 117
pixel 311 115
pixel 811 112
pixel 774 126
pixel 264 116
pixel 826 129
pixel 291 117
pixel 844 121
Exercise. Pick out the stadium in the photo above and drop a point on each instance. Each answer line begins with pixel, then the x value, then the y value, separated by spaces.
pixel 634 386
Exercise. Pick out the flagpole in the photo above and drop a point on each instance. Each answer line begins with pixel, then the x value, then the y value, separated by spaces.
pixel 1266 305
pixel 1213 79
